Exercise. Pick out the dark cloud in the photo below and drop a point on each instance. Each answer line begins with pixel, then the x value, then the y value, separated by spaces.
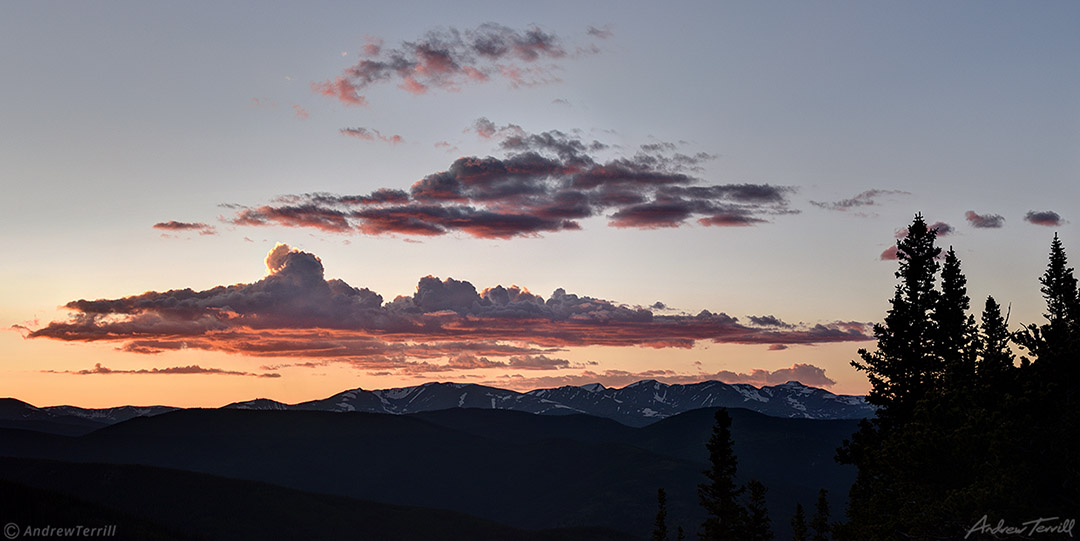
pixel 371 135
pixel 864 199
pixel 1045 217
pixel 295 312
pixel 543 183
pixel 98 369
pixel 769 321
pixel 940 229
pixel 447 59
pixel 195 227
pixel 984 221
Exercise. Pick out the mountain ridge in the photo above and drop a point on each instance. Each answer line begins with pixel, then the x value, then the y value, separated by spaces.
pixel 637 404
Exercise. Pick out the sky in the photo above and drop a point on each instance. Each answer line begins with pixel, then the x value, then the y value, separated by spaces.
pixel 206 203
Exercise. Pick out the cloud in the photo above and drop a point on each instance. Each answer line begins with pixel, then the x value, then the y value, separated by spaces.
pixel 984 221
pixel 1046 217
pixel 602 33
pixel 864 199
pixel 942 229
pixel 197 227
pixel 371 135
pixel 806 374
pixel 98 369
pixel 294 312
pixel 450 58
pixel 543 183
pixel 769 321
pixel 300 112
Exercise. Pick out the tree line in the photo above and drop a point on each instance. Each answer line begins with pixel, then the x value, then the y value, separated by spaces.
pixel 966 435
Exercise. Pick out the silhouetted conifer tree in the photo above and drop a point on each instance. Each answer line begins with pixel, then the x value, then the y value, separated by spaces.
pixel 798 524
pixel 902 369
pixel 820 522
pixel 758 526
pixel 995 368
pixel 719 496
pixel 660 530
pixel 955 334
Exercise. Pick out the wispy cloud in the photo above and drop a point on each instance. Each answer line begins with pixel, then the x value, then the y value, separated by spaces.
pixel 98 369
pixel 449 58
pixel 190 227
pixel 371 135
pixel 864 199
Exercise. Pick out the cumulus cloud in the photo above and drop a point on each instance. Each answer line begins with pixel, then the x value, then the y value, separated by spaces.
pixel 806 374
pixel 98 369
pixel 192 227
pixel 984 221
pixel 864 199
pixel 545 182
pixel 447 59
pixel 1048 218
pixel 295 312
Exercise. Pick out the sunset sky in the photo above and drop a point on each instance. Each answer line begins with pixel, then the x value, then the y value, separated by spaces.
pixel 701 191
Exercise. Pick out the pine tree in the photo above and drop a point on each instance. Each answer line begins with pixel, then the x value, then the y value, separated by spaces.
pixel 995 366
pixel 660 530
pixel 955 335
pixel 798 524
pixel 1059 287
pixel 758 526
pixel 820 522
pixel 719 496
pixel 902 369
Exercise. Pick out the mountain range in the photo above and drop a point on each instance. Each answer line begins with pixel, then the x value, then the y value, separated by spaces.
pixel 637 404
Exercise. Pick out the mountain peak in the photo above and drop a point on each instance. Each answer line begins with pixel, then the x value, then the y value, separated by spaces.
pixel 593 387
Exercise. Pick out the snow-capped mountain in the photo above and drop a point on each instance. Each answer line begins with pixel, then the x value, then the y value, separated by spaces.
pixel 651 400
pixel 109 415
pixel 436 396
pixel 636 404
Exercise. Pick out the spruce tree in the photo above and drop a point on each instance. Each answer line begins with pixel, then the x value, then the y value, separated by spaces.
pixel 758 526
pixel 903 368
pixel 660 530
pixel 995 368
pixel 954 330
pixel 820 522
pixel 798 524
pixel 719 496
pixel 1059 287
